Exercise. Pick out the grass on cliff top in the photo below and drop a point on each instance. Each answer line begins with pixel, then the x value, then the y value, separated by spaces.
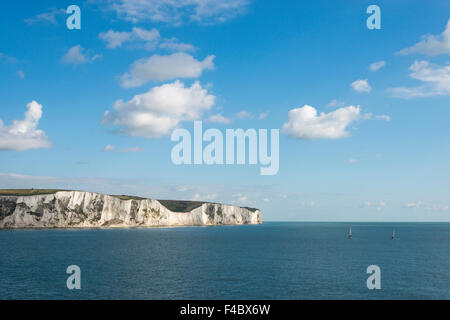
pixel 172 205
pixel 180 205
pixel 124 197
pixel 176 205
pixel 27 192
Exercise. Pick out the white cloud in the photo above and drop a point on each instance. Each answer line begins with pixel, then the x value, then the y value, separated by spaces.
pixel 428 206
pixel 377 65
pixel 159 111
pixel 240 199
pixel 161 68
pixel 266 200
pixel 174 44
pixel 305 123
pixel 23 176
pixel 263 115
pixel 218 118
pixel 378 205
pixel 205 197
pixel 178 12
pixel 79 55
pixel 115 39
pixel 436 81
pixel 23 134
pixel 46 17
pixel 244 115
pixel 361 85
pixel 383 117
pixel 411 205
pixel 431 45
pixel 8 59
pixel 110 148
pixel 352 161
pixel 131 150
pixel 335 103
pixel 149 39
pixel 124 150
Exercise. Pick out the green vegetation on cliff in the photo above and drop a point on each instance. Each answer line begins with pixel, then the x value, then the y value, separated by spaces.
pixel 181 206
pixel 27 192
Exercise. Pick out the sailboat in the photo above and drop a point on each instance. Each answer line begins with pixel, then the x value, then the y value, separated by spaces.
pixel 393 235
pixel 350 233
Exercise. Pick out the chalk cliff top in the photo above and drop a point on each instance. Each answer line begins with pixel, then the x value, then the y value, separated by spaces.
pixel 52 208
pixel 173 205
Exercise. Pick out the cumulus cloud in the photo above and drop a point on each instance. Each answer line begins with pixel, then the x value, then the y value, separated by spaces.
pixel 174 44
pixel 305 123
pixel 218 118
pixel 436 81
pixel 123 150
pixel 115 39
pixel 161 68
pixel 244 114
pixel 431 45
pixel 335 103
pixel 23 134
pixel 377 65
pixel 79 55
pixel 263 115
pixel 48 16
pixel 159 111
pixel 383 117
pixel 361 85
pixel 178 12
pixel 148 39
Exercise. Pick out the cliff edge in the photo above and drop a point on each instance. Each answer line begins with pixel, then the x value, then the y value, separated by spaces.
pixel 78 209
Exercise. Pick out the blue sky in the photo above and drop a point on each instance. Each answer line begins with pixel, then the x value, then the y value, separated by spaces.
pixel 384 159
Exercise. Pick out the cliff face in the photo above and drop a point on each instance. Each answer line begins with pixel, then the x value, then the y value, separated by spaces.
pixel 75 209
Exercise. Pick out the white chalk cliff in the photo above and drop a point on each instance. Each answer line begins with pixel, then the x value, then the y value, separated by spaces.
pixel 77 209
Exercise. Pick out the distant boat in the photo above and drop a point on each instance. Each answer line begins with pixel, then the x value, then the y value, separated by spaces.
pixel 350 233
pixel 393 235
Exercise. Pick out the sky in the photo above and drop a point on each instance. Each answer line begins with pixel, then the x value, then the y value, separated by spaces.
pixel 363 113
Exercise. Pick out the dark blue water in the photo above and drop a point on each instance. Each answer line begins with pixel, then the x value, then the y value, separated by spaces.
pixel 270 261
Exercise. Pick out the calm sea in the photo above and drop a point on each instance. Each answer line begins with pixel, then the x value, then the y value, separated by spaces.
pixel 269 261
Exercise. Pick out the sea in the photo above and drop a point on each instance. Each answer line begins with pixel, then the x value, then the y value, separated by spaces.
pixel 275 260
